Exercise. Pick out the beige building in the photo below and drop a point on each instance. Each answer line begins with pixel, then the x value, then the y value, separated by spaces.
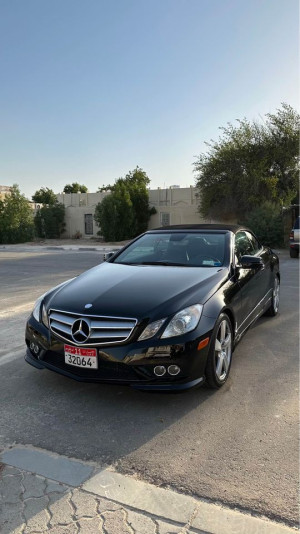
pixel 173 205
pixel 4 190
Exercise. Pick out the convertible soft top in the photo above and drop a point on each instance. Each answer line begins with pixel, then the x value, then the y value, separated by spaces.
pixel 229 227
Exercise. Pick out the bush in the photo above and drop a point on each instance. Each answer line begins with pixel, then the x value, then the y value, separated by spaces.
pixel 125 213
pixel 267 223
pixel 16 218
pixel 49 221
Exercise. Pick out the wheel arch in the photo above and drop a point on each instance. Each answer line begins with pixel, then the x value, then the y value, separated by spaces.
pixel 231 317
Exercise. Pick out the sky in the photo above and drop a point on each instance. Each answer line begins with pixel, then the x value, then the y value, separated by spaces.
pixel 89 89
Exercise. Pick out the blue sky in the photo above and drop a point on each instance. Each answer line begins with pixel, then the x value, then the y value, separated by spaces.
pixel 91 88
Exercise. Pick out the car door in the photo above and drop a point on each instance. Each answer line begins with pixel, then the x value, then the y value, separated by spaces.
pixel 255 282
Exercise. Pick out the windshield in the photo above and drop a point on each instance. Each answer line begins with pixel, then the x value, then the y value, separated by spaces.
pixel 188 249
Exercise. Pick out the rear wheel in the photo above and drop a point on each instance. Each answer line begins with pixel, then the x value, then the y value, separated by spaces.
pixel 273 310
pixel 220 353
pixel 294 253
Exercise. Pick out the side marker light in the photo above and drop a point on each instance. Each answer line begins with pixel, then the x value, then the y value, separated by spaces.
pixel 203 343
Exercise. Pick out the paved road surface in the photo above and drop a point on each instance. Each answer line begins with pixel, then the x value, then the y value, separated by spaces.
pixel 236 446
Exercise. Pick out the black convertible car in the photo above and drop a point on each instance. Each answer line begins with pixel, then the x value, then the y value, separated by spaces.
pixel 165 312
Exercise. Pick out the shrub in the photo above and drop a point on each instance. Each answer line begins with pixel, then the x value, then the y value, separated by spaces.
pixel 16 218
pixel 267 223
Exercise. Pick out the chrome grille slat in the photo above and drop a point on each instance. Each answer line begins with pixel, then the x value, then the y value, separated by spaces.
pixel 106 334
pixel 62 318
pixel 61 326
pixel 103 330
pixel 112 325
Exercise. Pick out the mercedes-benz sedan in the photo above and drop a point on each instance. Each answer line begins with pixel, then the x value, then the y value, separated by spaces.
pixel 165 312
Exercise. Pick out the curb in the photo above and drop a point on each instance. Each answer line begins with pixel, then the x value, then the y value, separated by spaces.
pixel 146 499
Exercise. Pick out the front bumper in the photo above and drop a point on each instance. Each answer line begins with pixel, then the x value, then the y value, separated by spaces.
pixel 130 364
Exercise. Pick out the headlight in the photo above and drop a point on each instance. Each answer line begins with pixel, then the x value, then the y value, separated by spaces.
pixel 37 307
pixel 184 321
pixel 151 329
pixel 45 319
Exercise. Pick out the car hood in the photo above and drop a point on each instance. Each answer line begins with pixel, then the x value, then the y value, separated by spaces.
pixel 137 291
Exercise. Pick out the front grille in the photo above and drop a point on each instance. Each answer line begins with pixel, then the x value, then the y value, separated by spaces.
pixel 90 329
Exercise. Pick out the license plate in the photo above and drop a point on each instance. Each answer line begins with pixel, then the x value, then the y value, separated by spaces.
pixel 81 357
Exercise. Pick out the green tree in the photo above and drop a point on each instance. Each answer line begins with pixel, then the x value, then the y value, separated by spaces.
pixel 267 223
pixel 75 187
pixel 50 221
pixel 45 196
pixel 250 163
pixel 125 212
pixel 16 218
pixel 115 215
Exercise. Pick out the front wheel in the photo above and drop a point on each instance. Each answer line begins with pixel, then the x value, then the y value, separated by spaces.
pixel 220 353
pixel 273 309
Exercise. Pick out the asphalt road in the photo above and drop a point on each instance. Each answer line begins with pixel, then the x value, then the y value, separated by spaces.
pixel 237 445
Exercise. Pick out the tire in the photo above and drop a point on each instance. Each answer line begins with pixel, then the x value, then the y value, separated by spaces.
pixel 294 253
pixel 273 309
pixel 220 353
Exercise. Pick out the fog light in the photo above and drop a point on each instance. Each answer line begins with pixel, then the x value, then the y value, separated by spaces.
pixel 34 347
pixel 160 370
pixel 173 370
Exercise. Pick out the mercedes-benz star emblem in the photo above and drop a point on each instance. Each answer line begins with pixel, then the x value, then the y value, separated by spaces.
pixel 80 330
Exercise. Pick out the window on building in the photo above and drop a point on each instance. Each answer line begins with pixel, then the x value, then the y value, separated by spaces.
pixel 88 224
pixel 164 218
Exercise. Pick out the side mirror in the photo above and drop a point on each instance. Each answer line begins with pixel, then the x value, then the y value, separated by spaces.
pixel 251 262
pixel 108 255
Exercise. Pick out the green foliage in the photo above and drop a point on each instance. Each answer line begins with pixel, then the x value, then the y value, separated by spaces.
pixel 16 218
pixel 252 162
pixel 75 187
pixel 45 196
pixel 267 223
pixel 125 212
pixel 49 221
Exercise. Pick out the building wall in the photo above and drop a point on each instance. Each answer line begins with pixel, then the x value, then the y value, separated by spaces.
pixel 173 205
pixel 4 190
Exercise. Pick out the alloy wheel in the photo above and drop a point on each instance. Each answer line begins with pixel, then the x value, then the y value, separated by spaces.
pixel 223 350
pixel 276 294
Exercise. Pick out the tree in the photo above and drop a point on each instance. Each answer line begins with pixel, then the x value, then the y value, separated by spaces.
pixel 45 196
pixel 267 223
pixel 49 221
pixel 16 218
pixel 125 212
pixel 75 187
pixel 251 163
pixel 114 215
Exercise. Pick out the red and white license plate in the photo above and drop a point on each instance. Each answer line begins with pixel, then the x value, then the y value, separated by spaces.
pixel 81 357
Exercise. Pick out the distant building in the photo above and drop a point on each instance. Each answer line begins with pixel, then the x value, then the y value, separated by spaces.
pixel 4 190
pixel 174 205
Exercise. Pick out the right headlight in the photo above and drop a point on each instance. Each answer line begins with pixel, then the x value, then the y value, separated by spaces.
pixel 184 321
pixel 41 315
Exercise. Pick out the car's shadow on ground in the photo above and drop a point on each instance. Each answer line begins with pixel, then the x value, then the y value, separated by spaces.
pixel 91 421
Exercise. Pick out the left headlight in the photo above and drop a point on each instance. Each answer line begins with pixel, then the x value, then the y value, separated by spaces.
pixel 184 321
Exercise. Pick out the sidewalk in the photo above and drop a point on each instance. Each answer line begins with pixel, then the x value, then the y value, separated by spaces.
pixel 41 492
